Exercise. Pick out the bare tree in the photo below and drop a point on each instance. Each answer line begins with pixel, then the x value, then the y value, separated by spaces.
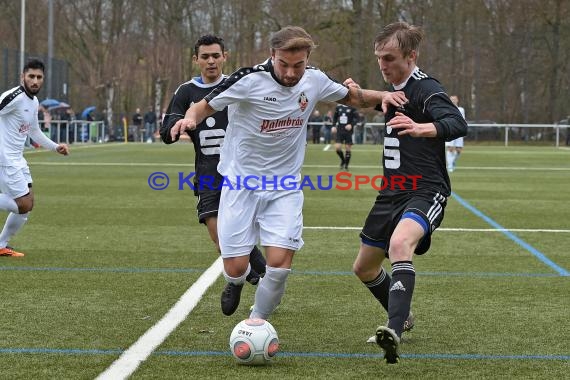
pixel 506 59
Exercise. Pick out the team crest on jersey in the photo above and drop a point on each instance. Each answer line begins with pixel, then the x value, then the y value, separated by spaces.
pixel 303 101
pixel 24 128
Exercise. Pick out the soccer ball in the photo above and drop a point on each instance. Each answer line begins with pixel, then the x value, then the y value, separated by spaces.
pixel 254 342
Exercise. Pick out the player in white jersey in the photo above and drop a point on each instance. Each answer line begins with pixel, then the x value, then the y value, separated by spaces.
pixel 262 156
pixel 454 147
pixel 18 120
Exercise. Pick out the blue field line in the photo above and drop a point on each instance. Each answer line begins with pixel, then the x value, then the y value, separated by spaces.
pixel 117 270
pixel 295 272
pixel 336 355
pixel 539 255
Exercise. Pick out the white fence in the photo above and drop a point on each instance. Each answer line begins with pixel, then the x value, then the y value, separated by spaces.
pixel 75 131
pixel 531 134
pixel 81 131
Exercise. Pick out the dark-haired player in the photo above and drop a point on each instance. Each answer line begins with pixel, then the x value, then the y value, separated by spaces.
pixel 18 120
pixel 209 55
pixel 272 103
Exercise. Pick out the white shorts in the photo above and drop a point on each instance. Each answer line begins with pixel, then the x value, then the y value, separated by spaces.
pixel 14 181
pixel 272 217
pixel 457 143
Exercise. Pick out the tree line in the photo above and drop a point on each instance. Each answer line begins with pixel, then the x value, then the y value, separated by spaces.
pixel 507 60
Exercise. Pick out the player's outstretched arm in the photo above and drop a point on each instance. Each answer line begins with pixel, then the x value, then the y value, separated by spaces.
pixel 194 116
pixel 38 136
pixel 363 98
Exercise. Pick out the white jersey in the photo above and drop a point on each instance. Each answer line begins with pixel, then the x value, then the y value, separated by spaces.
pixel 18 119
pixel 462 110
pixel 458 142
pixel 265 137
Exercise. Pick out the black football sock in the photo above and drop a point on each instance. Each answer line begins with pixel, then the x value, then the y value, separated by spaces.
pixel 341 155
pixel 347 159
pixel 257 261
pixel 401 290
pixel 380 288
pixel 252 277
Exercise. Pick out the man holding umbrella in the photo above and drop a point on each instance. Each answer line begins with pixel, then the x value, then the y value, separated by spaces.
pixel 87 112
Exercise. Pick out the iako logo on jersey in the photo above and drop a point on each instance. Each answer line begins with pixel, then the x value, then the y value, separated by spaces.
pixel 303 101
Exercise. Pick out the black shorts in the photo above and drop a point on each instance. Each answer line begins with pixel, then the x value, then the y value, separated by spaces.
pixel 208 203
pixel 343 136
pixel 426 208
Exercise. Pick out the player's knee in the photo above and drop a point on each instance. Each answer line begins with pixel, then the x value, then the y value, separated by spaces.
pixel 362 272
pixel 401 248
pixel 25 204
pixel 236 266
pixel 364 268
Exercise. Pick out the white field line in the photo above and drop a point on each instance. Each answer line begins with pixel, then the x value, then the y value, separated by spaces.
pixel 130 359
pixel 166 164
pixel 126 164
pixel 74 147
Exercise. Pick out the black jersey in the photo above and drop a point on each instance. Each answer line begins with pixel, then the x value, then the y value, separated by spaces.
pixel 344 115
pixel 208 135
pixel 418 163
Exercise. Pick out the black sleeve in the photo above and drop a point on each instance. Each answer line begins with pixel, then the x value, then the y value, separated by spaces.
pixel 355 119
pixel 446 117
pixel 176 110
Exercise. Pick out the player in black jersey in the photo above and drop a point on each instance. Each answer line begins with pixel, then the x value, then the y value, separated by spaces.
pixel 344 119
pixel 411 205
pixel 209 55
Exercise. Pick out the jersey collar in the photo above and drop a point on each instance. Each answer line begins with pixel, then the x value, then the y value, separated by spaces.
pixel 26 92
pixel 404 83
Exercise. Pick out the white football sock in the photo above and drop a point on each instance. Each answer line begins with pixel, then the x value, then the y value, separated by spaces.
pixel 449 158
pixel 269 292
pixel 455 157
pixel 13 224
pixel 237 280
pixel 8 204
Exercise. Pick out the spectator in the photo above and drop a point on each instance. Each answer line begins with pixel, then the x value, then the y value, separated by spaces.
pixel 359 128
pixel 135 129
pixel 317 121
pixel 568 131
pixel 149 125
pixel 328 119
pixel 68 118
pixel 378 128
